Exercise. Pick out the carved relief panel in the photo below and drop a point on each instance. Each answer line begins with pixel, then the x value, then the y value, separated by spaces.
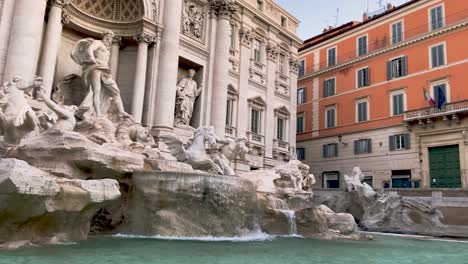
pixel 194 20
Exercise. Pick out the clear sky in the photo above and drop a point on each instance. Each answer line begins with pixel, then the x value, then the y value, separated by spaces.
pixel 315 15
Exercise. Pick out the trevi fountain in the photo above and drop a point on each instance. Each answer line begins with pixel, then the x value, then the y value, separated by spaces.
pixel 82 182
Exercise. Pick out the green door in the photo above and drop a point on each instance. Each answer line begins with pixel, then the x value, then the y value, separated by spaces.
pixel 444 165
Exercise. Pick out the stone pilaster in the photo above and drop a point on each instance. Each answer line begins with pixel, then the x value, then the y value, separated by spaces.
pixel 169 61
pixel 144 40
pixel 294 70
pixel 270 119
pixel 25 39
pixel 52 40
pixel 246 38
pixel 223 9
pixel 152 81
pixel 114 59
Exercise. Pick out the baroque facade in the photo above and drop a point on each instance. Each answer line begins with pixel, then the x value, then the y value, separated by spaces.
pixel 179 64
pixel 363 98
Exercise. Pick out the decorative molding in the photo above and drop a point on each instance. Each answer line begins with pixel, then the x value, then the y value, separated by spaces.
pixel 59 3
pixel 246 37
pixel 294 65
pixel 65 17
pixel 272 52
pixel 113 10
pixel 145 37
pixel 224 9
pixel 193 22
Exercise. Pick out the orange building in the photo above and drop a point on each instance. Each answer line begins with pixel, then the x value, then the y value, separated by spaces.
pixel 361 99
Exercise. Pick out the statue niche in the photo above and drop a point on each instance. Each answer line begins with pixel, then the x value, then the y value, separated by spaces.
pixel 187 92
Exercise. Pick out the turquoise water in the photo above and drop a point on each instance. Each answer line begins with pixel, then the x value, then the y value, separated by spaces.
pixel 383 250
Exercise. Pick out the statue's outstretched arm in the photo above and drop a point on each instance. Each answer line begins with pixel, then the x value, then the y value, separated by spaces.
pixel 62 113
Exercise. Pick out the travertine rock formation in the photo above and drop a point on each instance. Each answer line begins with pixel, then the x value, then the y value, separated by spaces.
pixel 38 208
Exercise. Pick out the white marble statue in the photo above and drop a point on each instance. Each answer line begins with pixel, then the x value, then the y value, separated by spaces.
pixel 196 154
pixel 187 92
pixel 193 19
pixel 230 150
pixel 17 119
pixel 66 114
pixel 103 92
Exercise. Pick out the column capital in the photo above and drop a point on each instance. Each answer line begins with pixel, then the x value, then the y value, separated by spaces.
pixel 246 37
pixel 224 9
pixel 59 3
pixel 145 38
pixel 294 65
pixel 272 51
pixel 117 40
pixel 65 17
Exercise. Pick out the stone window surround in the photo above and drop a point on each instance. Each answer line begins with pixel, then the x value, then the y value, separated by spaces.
pixel 367 44
pixel 445 81
pixel 327 108
pixel 336 56
pixel 429 16
pixel 283 113
pixel 444 44
pixel 357 76
pixel 397 92
pixel 234 96
pixel 258 104
pixel 402 21
pixel 361 100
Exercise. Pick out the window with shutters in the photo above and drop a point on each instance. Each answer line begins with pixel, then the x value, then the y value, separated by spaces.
pixel 400 142
pixel 437 55
pixel 362 110
pixel 257 50
pixel 330 150
pixel 329 87
pixel 363 77
pixel 362 45
pixel 300 153
pixel 302 68
pixel 398 103
pixel 397 68
pixel 397 32
pixel 300 123
pixel 436 17
pixel 362 146
pixel 368 180
pixel 331 56
pixel 330 117
pixel 301 96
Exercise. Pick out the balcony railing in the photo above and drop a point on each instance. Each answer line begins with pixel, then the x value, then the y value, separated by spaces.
pixel 255 138
pixel 281 145
pixel 447 109
pixel 379 43
pixel 231 131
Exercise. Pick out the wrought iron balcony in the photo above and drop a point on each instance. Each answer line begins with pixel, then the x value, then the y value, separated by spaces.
pixel 448 111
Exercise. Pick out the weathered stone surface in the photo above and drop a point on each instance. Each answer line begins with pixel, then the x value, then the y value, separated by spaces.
pixel 72 155
pixel 172 204
pixel 311 222
pixel 272 217
pixel 38 208
pixel 342 222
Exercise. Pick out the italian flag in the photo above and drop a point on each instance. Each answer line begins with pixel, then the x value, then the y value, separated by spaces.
pixel 428 97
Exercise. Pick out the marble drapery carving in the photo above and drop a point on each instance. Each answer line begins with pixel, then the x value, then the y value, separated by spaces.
pixel 193 19
pixel 187 93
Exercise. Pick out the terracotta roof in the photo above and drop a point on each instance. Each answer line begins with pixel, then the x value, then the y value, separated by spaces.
pixel 348 27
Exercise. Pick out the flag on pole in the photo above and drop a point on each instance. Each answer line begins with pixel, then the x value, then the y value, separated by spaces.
pixel 428 98
pixel 441 100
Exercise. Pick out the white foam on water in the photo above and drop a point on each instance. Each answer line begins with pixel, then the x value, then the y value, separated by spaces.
pixel 247 238
pixel 419 237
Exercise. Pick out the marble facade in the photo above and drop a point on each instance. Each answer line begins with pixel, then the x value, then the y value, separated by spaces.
pixel 244 53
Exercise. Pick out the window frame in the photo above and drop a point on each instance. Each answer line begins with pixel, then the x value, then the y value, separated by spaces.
pixel 405 106
pixel 334 88
pixel 361 101
pixel 328 108
pixel 304 96
pixel 303 62
pixel 260 53
pixel 444 44
pixel 357 45
pixel 336 56
pixel 300 115
pixel 407 141
pixel 368 143
pixel 303 152
pixel 402 21
pixel 282 129
pixel 325 154
pixel 259 126
pixel 230 114
pixel 447 89
pixel 429 10
pixel 404 74
pixel 357 77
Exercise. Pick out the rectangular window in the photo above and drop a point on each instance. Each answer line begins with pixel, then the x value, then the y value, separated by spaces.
pixel 368 180
pixel 280 124
pixel 301 68
pixel 329 87
pixel 397 68
pixel 283 21
pixel 363 146
pixel 255 121
pixel 362 45
pixel 438 55
pixel 363 77
pixel 400 142
pixel 398 104
pixel 401 178
pixel 300 152
pixel 362 113
pixel 282 64
pixel 435 92
pixel 436 18
pixel 257 50
pixel 229 111
pixel 330 115
pixel 330 150
pixel 397 32
pixel 331 57
pixel 331 180
pixel 300 124
pixel 301 96
pixel 233 39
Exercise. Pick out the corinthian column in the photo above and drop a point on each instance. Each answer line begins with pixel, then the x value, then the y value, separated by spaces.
pixel 53 34
pixel 25 39
pixel 114 59
pixel 140 75
pixel 169 61
pixel 223 9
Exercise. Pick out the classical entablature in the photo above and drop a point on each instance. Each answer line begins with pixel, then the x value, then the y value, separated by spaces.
pixel 123 17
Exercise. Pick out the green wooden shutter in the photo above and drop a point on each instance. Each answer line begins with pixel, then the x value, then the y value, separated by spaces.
pixel 324 89
pixel 368 77
pixel 369 145
pixel 408 141
pixel 433 19
pixel 391 142
pixel 336 149
pixel 356 147
pixel 434 57
pixel 389 70
pixel 441 55
pixel 404 66
pixel 333 86
pixel 324 151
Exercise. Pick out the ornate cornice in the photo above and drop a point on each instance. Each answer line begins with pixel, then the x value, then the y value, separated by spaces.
pixel 59 3
pixel 65 17
pixel 224 8
pixel 246 37
pixel 272 52
pixel 294 65
pixel 145 38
